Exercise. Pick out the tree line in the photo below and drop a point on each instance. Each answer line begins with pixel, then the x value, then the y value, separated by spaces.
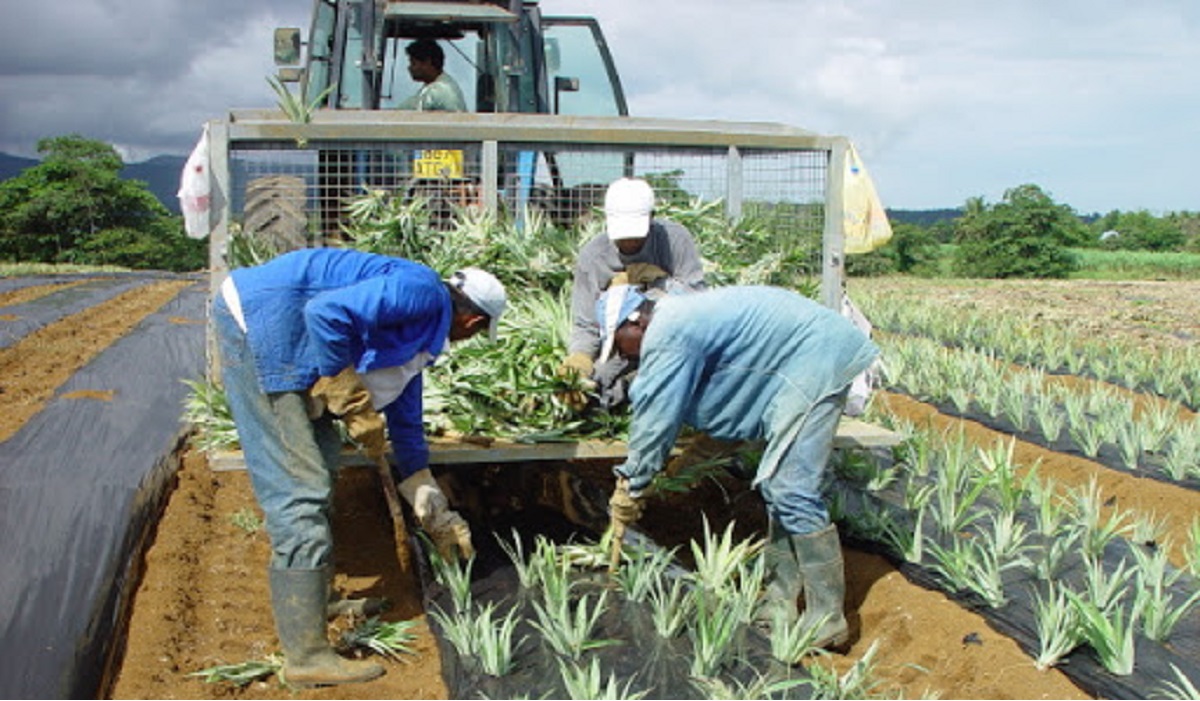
pixel 1027 234
pixel 74 207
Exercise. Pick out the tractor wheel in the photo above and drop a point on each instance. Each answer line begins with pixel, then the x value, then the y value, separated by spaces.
pixel 274 214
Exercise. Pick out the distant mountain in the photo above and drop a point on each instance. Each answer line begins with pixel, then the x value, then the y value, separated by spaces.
pixel 11 166
pixel 161 175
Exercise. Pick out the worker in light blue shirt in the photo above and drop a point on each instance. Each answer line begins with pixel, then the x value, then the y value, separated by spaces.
pixel 749 363
pixel 299 338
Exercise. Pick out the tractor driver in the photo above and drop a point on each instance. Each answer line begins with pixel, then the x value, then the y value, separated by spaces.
pixel 439 92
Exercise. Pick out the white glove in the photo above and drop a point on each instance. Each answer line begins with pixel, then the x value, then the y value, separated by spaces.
pixel 450 533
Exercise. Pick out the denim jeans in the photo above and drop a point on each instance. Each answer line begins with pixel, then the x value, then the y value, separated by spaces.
pixel 292 460
pixel 793 493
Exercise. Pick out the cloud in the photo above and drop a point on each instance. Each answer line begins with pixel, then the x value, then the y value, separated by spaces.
pixel 946 99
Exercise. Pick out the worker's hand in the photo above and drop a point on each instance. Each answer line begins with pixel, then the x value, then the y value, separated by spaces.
pixel 449 532
pixel 579 364
pixel 623 508
pixel 345 396
pixel 576 369
pixel 643 274
pixel 621 278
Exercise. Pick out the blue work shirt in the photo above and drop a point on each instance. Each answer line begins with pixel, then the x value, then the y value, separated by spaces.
pixel 738 363
pixel 315 311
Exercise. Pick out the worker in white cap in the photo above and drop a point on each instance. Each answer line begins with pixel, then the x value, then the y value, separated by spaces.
pixel 296 335
pixel 635 249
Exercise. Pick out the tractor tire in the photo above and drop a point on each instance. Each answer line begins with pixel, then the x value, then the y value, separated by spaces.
pixel 274 214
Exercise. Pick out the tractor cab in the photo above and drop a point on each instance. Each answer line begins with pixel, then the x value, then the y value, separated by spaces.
pixel 505 56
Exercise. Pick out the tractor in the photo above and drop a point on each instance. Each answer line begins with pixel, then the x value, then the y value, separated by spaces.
pixel 505 56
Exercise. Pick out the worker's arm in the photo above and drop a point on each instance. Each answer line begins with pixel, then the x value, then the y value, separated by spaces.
pixel 396 314
pixel 661 394
pixel 686 266
pixel 449 532
pixel 406 429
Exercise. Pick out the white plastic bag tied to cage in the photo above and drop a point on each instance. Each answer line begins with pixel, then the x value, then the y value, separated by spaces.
pixel 195 194
pixel 865 383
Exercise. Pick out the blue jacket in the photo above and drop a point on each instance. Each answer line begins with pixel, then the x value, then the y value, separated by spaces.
pixel 315 311
pixel 739 363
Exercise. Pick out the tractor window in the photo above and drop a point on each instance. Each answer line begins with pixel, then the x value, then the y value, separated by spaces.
pixel 397 86
pixel 582 78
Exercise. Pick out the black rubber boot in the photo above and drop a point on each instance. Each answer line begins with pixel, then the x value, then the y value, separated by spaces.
pixel 783 582
pixel 824 579
pixel 298 598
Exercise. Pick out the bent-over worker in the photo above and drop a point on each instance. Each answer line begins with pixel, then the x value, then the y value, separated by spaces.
pixel 296 335
pixel 750 363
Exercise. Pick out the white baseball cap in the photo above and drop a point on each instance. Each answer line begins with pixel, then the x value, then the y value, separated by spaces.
pixel 485 291
pixel 627 207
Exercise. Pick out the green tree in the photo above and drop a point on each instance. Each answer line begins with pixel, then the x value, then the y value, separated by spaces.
pixel 1140 230
pixel 74 207
pixel 1026 235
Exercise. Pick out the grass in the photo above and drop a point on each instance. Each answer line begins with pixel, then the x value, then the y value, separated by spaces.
pixel 23 269
pixel 1097 264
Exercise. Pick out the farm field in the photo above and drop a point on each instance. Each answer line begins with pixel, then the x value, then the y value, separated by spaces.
pixel 201 598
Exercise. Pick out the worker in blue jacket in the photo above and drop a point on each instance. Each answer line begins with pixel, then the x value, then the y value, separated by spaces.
pixel 298 337
pixel 750 363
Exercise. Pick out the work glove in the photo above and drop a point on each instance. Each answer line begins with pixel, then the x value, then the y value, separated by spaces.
pixel 621 278
pixel 576 368
pixel 644 274
pixel 449 532
pixel 344 396
pixel 623 508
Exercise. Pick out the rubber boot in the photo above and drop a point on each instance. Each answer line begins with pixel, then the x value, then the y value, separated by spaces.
pixel 298 598
pixel 824 579
pixel 783 582
pixel 337 605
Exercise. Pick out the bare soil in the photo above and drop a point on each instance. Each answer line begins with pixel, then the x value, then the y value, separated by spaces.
pixel 202 597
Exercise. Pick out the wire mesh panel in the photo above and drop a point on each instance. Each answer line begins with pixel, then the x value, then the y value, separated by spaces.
pixel 763 197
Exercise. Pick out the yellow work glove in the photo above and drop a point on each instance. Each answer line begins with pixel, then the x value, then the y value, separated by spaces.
pixel 623 508
pixel 449 532
pixel 642 274
pixel 621 278
pixel 345 396
pixel 577 369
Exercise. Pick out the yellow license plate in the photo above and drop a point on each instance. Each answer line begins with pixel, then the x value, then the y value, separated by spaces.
pixel 438 163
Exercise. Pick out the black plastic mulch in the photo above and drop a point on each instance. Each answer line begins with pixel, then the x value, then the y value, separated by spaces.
pixel 80 483
pixel 1017 617
pixel 24 319
pixel 641 661
pixel 1149 465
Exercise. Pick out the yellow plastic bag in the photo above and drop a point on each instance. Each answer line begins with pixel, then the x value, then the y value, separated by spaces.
pixel 866 222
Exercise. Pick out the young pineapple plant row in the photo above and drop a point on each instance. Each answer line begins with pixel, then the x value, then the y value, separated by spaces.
pixel 1083 572
pixel 687 628
pixel 1095 421
pixel 1172 373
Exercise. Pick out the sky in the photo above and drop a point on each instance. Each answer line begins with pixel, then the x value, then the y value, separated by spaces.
pixel 1095 101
